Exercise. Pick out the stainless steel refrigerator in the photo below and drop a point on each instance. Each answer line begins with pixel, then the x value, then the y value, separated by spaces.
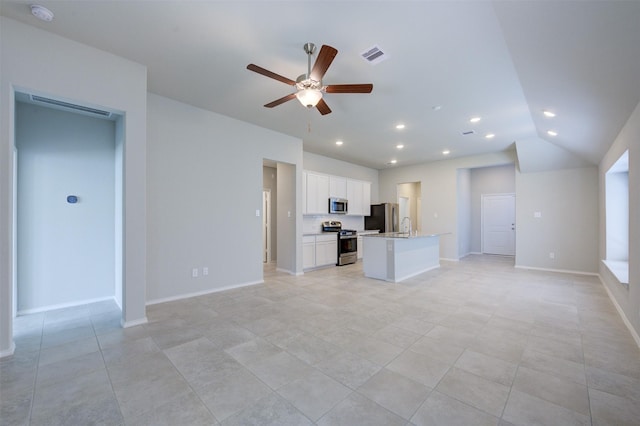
pixel 383 217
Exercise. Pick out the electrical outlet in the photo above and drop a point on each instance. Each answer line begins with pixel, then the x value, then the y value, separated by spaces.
pixel 194 273
pixel 552 255
pixel 537 215
pixel 205 271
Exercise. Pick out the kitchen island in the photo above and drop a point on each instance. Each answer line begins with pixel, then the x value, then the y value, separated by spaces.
pixel 396 256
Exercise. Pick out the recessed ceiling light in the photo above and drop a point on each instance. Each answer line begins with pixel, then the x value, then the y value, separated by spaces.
pixel 41 13
pixel 400 126
pixel 339 143
pixel 446 152
pixel 393 161
pixel 399 146
pixel 490 136
pixel 436 107
pixel 552 133
pixel 548 113
pixel 475 119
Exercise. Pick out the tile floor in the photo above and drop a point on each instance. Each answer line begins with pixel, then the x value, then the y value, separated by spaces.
pixel 475 342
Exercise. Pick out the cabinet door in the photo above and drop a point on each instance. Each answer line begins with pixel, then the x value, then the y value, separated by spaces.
pixel 337 187
pixel 308 255
pixel 317 193
pixel 354 195
pixel 304 193
pixel 366 198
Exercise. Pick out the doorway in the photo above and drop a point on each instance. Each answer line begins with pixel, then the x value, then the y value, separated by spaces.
pixel 67 169
pixel 499 224
pixel 266 226
pixel 269 212
pixel 410 205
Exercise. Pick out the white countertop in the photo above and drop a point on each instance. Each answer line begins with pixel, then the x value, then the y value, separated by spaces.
pixel 404 235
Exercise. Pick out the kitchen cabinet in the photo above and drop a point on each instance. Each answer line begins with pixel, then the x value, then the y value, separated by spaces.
pixel 318 187
pixel 319 250
pixel 359 247
pixel 308 252
pixel 337 187
pixel 317 193
pixel 326 250
pixel 359 196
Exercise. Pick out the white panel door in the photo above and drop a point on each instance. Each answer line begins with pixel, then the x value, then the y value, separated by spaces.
pixel 499 224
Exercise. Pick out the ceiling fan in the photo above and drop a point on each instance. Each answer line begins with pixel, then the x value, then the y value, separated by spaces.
pixel 309 86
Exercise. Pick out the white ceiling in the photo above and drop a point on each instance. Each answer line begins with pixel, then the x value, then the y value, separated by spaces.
pixel 503 61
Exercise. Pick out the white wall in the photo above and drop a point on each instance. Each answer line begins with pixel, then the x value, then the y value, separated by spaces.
pixel 487 180
pixel 568 204
pixel 626 297
pixel 464 212
pixel 66 251
pixel 439 193
pixel 205 176
pixel 35 61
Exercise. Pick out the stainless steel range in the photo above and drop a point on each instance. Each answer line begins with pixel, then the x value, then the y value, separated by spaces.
pixel 347 242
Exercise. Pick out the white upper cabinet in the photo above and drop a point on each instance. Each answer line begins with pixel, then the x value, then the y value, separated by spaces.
pixel 318 188
pixel 317 193
pixel 359 196
pixel 337 187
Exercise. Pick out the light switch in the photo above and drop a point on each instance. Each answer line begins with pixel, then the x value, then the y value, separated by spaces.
pixel 257 213
pixel 288 214
pixel 537 215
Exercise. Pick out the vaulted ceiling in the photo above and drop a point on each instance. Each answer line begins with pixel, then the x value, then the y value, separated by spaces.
pixel 445 62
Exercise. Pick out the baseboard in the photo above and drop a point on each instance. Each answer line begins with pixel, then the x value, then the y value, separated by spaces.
pixel 8 352
pixel 140 321
pixel 626 321
pixel 562 271
pixel 202 293
pixel 449 260
pixel 286 271
pixel 63 305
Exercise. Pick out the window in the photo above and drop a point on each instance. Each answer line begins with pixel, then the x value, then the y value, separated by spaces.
pixel 617 218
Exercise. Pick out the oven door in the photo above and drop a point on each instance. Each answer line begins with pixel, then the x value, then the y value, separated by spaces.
pixel 347 244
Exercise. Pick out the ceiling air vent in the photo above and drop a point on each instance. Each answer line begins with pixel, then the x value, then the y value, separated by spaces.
pixel 374 55
pixel 68 105
pixel 468 132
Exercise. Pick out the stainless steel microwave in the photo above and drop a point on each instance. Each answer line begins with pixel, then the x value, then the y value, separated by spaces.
pixel 338 206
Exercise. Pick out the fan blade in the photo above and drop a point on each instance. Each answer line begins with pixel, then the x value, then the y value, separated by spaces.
pixel 324 59
pixel 349 88
pixel 323 108
pixel 267 73
pixel 280 101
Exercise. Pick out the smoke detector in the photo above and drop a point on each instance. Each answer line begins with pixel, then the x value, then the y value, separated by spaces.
pixel 41 13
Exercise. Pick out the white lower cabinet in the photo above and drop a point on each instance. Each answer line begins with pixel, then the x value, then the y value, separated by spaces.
pixel 326 250
pixel 359 247
pixel 319 250
pixel 308 252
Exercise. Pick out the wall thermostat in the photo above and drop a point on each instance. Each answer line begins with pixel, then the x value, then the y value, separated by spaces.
pixel 72 199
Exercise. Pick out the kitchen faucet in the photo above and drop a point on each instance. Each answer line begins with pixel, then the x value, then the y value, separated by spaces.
pixel 402 223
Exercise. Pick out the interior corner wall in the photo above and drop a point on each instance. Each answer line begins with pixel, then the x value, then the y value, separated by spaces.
pixel 289 219
pixel 71 71
pixel 626 297
pixel 464 212
pixel 66 251
pixel 204 189
pixel 567 201
pixel 488 180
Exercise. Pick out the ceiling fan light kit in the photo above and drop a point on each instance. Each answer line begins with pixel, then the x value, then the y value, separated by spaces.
pixel 309 97
pixel 309 86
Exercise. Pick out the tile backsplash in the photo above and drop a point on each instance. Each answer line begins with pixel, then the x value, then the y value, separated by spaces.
pixel 313 224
